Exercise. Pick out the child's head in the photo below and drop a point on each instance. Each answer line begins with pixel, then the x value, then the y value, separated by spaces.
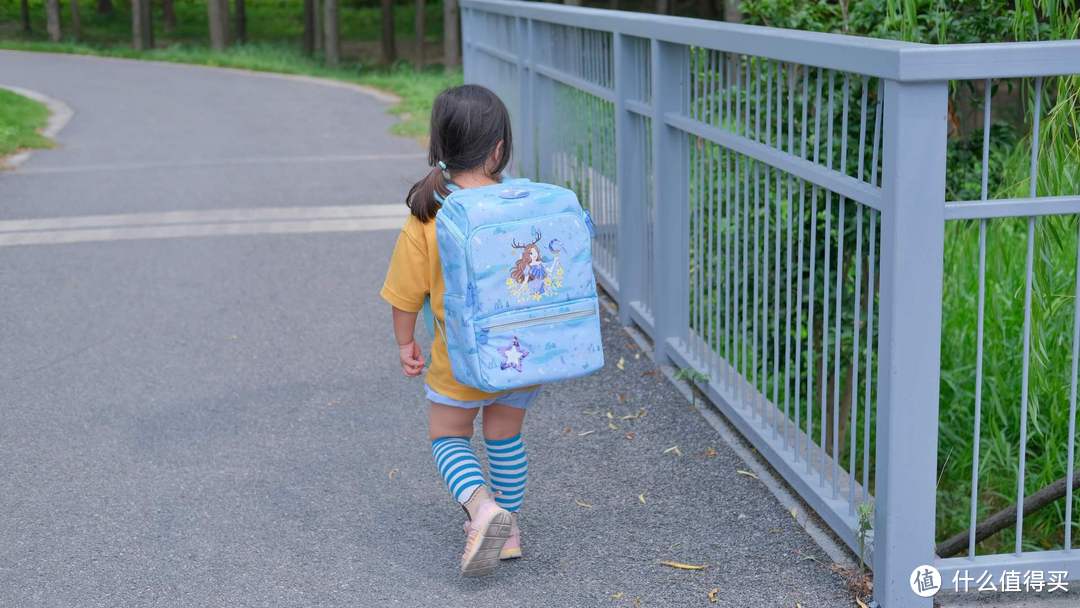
pixel 470 131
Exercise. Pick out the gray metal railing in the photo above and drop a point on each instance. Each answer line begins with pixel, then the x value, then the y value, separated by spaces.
pixel 771 210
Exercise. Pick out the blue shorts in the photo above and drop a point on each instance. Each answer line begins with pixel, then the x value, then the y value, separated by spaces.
pixel 518 399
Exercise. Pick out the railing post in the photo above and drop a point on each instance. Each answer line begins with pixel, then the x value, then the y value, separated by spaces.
pixel 671 259
pixel 912 250
pixel 630 253
pixel 526 126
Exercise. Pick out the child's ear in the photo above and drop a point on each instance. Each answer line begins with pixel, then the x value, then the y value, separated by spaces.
pixel 496 154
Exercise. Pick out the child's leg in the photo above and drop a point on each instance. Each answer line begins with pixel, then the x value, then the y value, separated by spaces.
pixel 450 429
pixel 508 466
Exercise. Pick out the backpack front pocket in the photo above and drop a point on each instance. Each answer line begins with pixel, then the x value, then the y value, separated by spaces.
pixel 537 345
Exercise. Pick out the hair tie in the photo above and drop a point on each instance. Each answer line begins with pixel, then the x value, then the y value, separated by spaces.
pixel 445 172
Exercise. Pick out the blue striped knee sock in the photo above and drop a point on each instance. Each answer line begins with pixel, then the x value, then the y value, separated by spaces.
pixel 508 469
pixel 458 465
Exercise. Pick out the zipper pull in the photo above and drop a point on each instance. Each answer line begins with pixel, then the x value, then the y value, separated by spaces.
pixel 589 223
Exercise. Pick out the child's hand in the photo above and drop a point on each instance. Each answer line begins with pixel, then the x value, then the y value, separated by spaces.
pixel 412 360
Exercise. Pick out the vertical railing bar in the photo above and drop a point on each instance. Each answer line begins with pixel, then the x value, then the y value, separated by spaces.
pixel 980 316
pixel 776 258
pixel 1072 403
pixel 759 407
pixel 729 255
pixel 738 304
pixel 746 234
pixel 837 336
pixel 825 288
pixel 1025 370
pixel 710 257
pixel 871 286
pixel 810 397
pixel 791 71
pixel 799 287
pixel 853 425
pixel 867 403
pixel 765 256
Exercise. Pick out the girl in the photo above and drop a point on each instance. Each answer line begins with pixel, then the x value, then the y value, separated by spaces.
pixel 470 146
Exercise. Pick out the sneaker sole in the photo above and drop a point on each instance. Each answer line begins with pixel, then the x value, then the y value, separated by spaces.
pixel 485 559
pixel 508 554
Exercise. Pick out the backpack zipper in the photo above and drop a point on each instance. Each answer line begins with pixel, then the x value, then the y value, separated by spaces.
pixel 563 316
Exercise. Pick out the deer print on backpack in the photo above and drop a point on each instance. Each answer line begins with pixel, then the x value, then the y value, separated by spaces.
pixel 532 277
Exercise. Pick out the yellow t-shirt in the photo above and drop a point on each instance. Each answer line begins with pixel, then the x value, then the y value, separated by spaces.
pixel 414 273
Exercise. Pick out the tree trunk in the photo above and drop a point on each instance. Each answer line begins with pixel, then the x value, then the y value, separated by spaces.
pixel 732 14
pixel 168 15
pixel 705 9
pixel 142 25
pixel 420 32
pixel 307 42
pixel 52 19
pixel 451 34
pixel 330 25
pixel 24 8
pixel 218 14
pixel 76 20
pixel 1006 518
pixel 241 21
pixel 662 7
pixel 389 49
pixel 104 7
pixel 317 10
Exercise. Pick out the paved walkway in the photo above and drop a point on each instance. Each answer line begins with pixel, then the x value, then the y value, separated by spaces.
pixel 219 420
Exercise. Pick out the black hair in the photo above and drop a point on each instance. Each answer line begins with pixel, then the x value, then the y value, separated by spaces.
pixel 468 123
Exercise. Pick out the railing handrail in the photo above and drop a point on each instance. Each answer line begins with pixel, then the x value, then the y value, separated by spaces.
pixel 891 59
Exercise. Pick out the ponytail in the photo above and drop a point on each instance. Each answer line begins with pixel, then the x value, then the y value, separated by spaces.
pixel 423 198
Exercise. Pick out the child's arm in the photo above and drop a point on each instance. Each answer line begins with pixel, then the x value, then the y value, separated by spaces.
pixel 412 360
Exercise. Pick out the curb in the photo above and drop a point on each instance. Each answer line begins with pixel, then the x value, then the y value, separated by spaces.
pixel 59 115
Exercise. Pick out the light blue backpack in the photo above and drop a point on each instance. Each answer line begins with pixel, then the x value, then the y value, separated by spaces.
pixel 520 302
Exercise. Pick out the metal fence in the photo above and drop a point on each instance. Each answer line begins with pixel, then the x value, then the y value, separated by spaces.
pixel 772 212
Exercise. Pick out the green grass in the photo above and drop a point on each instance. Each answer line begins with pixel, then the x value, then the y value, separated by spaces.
pixel 416 88
pixel 21 119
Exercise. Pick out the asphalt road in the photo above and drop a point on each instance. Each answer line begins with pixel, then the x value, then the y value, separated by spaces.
pixel 219 420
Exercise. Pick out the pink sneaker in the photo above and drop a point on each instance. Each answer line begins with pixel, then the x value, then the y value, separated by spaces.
pixel 487 533
pixel 512 548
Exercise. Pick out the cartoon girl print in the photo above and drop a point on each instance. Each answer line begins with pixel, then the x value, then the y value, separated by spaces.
pixel 532 278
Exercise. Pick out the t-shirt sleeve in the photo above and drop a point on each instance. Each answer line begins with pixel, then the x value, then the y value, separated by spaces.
pixel 406 285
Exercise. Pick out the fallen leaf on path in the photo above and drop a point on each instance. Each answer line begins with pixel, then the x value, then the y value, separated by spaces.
pixel 794 513
pixel 585 433
pixel 590 412
pixel 621 397
pixel 621 364
pixel 651 372
pixel 861 603
pixel 641 497
pixel 637 355
pixel 746 473
pixel 393 473
pixel 567 430
pixel 639 414
pixel 673 449
pixel 610 415
pixel 637 602
pixel 616 596
pixel 681 566
pixel 713 595
pixel 582 503
pixel 612 426
pixel 630 434
pixel 711 453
